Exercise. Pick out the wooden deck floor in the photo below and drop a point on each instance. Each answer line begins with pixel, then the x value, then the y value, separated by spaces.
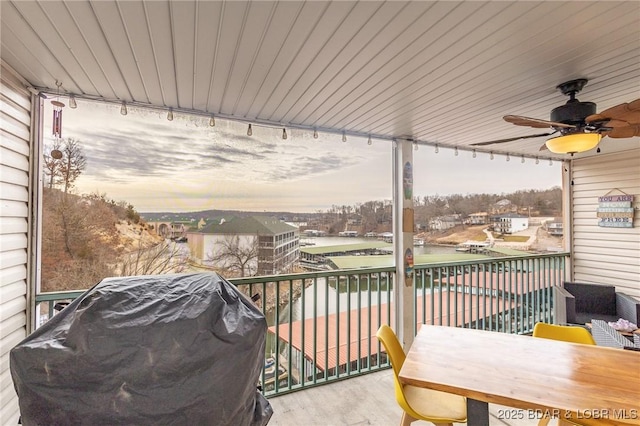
pixel 364 400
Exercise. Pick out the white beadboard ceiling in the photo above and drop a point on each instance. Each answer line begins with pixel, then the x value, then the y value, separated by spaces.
pixel 438 72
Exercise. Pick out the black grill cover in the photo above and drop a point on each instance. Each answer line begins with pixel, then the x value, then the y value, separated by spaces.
pixel 183 349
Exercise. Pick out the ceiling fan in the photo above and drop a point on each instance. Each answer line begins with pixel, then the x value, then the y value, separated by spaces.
pixel 578 124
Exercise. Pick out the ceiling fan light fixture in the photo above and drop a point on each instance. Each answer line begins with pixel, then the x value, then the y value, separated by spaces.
pixel 573 143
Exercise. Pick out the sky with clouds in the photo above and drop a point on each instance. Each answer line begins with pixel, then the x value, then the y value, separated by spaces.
pixel 186 165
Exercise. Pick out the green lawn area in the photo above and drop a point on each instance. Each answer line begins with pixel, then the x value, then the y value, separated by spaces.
pixel 515 238
pixel 511 238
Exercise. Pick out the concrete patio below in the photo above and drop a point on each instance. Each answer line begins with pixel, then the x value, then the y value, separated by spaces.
pixel 365 400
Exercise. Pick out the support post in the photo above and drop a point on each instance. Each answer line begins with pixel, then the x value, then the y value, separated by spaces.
pixel 403 222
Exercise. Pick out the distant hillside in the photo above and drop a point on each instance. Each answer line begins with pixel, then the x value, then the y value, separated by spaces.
pixel 219 214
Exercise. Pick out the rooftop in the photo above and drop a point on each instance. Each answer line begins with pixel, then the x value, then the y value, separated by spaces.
pixel 346 247
pixel 260 225
pixel 381 261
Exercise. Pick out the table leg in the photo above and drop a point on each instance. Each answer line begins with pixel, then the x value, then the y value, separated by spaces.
pixel 477 413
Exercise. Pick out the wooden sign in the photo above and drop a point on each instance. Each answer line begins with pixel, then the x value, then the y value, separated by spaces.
pixel 615 211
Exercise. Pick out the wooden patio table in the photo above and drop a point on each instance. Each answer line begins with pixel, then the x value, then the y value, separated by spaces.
pixel 589 384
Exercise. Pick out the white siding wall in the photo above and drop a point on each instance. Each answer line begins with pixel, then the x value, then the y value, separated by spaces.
pixel 15 129
pixel 606 255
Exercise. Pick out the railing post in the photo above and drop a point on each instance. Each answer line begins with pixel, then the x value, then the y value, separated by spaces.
pixel 403 291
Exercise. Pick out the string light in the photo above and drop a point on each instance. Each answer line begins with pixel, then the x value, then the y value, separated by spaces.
pixel 249 130
pixel 212 121
pixel 170 114
pixel 369 141
pixel 344 137
pixel 437 150
pixel 522 161
pixel 474 155
pixel 491 156
pixel 537 160
pixel 123 108
pixel 415 145
pixel 508 158
pixel 550 162
pixel 284 133
pixel 315 134
pixel 455 151
pixel 72 102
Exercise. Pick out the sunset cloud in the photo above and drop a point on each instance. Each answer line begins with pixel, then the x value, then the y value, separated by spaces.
pixel 158 165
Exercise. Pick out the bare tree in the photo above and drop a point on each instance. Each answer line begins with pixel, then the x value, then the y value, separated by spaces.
pixel 232 255
pixel 72 163
pixel 163 258
pixel 53 163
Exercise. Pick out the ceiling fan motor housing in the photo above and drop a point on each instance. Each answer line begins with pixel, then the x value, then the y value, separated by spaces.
pixel 573 112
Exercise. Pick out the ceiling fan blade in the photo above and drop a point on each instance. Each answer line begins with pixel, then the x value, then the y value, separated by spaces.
pixel 519 120
pixel 512 139
pixel 627 113
pixel 622 132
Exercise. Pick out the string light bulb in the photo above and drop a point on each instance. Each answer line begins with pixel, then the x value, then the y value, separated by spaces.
pixel 369 141
pixel 72 102
pixel 123 108
pixel 473 154
pixel 522 161
pixel 415 145
pixel 212 121
pixel 437 150
pixel 491 155
pixel 508 158
pixel 455 151
pixel 170 114
pixel 537 160
pixel 344 137
pixel 550 162
pixel 249 130
pixel 284 133
pixel 315 134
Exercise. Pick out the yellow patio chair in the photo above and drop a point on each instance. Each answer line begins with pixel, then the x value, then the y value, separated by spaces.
pixel 440 408
pixel 565 333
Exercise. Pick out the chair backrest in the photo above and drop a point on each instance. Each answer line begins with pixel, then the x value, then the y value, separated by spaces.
pixel 392 346
pixel 565 333
pixel 396 356
pixel 593 298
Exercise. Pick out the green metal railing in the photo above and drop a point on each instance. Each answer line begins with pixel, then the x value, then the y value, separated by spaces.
pixel 500 294
pixel 322 325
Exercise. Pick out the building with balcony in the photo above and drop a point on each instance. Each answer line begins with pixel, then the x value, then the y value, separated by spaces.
pixel 480 218
pixel 266 245
pixel 554 226
pixel 509 223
